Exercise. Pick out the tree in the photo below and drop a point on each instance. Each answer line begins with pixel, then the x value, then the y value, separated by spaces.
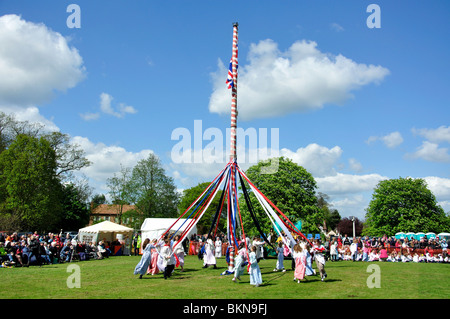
pixel 120 190
pixel 70 157
pixel 204 224
pixel 75 212
pixel 97 200
pixel 345 226
pixel 28 183
pixel 34 165
pixel 331 216
pixel 404 205
pixel 153 192
pixel 291 188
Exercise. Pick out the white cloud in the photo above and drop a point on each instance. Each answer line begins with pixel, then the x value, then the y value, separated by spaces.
pixel 32 115
pixel 350 205
pixel 441 134
pixel 391 140
pixel 439 186
pixel 276 83
pixel 318 160
pixel 107 108
pixel 106 160
pixel 336 27
pixel 431 152
pixel 90 116
pixel 34 63
pixel 348 184
pixel 355 165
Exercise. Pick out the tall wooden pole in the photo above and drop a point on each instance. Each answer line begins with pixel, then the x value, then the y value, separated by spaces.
pixel 234 112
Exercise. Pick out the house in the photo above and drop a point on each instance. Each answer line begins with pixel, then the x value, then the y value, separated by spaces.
pixel 110 213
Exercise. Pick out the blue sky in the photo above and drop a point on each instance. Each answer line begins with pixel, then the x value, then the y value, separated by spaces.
pixel 354 105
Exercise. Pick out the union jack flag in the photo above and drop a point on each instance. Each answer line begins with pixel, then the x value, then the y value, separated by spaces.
pixel 230 81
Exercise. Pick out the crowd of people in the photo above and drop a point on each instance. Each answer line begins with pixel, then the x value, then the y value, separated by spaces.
pixel 389 249
pixel 45 249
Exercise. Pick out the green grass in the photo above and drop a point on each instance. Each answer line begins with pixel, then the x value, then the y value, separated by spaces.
pixel 113 279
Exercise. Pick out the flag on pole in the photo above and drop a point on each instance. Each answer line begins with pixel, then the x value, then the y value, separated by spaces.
pixel 230 81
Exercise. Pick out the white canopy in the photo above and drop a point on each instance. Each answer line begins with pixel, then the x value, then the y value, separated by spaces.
pixel 105 230
pixel 154 227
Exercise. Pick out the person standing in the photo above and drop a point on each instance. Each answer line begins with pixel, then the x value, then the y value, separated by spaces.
pixel 319 250
pixel 168 259
pixel 300 263
pixel 280 258
pixel 142 266
pixel 179 253
pixel 239 262
pixel 136 244
pixel 333 251
pixel 259 248
pixel 309 270
pixel 354 250
pixel 218 245
pixel 209 257
pixel 254 271
pixel 153 266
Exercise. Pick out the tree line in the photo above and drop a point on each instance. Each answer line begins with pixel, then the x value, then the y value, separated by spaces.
pixel 39 191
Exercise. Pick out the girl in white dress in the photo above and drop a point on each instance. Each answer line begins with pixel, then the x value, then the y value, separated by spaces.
pixel 255 271
pixel 280 259
pixel 218 245
pixel 209 257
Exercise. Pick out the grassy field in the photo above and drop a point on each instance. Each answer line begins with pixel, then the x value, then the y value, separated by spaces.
pixel 113 279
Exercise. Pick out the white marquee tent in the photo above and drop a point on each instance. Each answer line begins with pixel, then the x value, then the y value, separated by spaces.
pixel 105 230
pixel 154 227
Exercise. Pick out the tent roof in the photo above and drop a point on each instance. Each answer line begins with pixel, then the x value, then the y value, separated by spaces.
pixel 105 227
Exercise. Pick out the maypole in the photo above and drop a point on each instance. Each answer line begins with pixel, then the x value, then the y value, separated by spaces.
pixel 232 83
pixel 229 179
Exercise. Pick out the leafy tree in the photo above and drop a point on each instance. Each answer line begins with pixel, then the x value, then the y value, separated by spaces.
pixel 120 190
pixel 34 164
pixel 29 184
pixel 75 212
pixel 404 205
pixel 331 216
pixel 204 224
pixel 97 200
pixel 345 226
pixel 291 188
pixel 153 192
pixel 70 157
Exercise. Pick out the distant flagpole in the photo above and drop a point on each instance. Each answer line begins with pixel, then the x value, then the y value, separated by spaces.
pixel 233 84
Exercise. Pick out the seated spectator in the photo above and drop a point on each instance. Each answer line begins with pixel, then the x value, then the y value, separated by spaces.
pixel 94 253
pixel 25 253
pixel 66 252
pixel 81 250
pixel 392 257
pixel 373 256
pixel 44 253
pixel 405 258
pixel 102 250
pixel 54 252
